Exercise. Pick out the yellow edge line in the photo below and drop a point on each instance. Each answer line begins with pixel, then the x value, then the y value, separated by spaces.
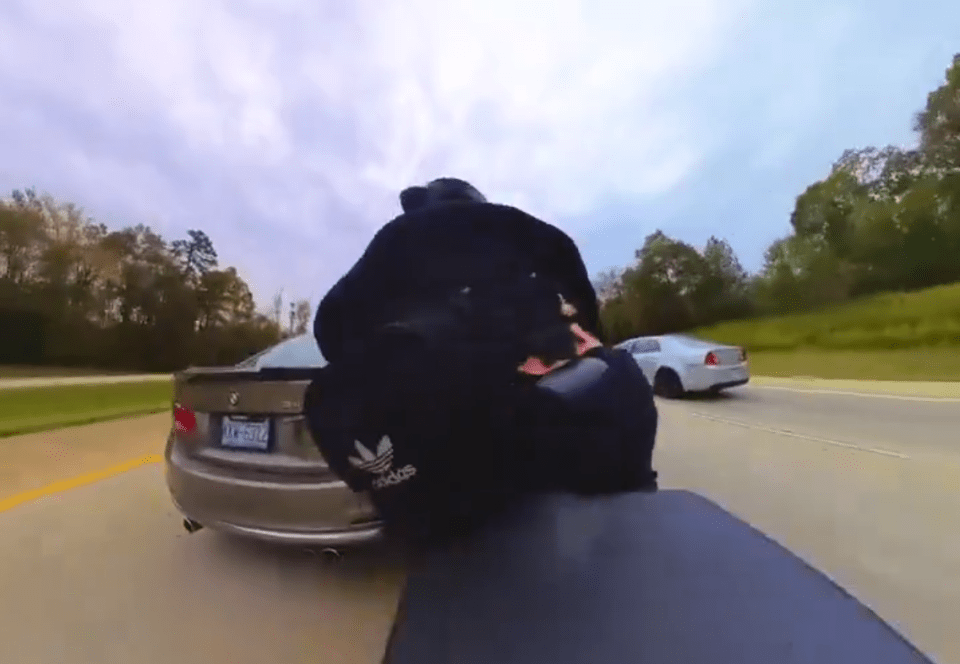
pixel 74 482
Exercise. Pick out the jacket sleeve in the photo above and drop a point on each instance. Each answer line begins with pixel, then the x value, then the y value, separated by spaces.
pixel 347 311
pixel 568 259
pixel 331 324
pixel 558 256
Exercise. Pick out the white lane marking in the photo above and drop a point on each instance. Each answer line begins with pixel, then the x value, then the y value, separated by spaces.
pixel 794 434
pixel 873 395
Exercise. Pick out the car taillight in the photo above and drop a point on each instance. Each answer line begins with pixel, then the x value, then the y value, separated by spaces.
pixel 711 359
pixel 184 419
pixel 743 355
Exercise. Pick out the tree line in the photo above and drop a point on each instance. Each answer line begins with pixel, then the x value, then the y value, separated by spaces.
pixel 884 219
pixel 75 293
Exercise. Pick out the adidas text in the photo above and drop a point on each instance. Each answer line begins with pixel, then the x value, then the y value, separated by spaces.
pixel 394 477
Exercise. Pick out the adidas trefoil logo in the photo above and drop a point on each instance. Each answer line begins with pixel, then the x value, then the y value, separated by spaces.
pixel 381 464
pixel 374 463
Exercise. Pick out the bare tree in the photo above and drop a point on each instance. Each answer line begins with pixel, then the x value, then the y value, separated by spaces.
pixel 277 309
pixel 302 315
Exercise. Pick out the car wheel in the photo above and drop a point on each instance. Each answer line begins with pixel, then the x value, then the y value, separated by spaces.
pixel 667 384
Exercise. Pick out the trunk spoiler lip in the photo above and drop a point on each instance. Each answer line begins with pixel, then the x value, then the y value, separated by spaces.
pixel 195 375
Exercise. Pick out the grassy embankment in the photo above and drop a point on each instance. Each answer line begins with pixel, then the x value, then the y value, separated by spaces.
pixel 894 336
pixel 26 410
pixel 913 336
pixel 28 371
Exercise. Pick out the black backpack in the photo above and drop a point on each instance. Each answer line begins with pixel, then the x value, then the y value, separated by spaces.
pixel 420 416
pixel 431 418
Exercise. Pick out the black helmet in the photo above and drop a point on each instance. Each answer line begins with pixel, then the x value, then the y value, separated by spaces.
pixel 438 191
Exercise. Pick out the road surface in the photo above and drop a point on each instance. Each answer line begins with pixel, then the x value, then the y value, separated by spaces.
pixel 866 488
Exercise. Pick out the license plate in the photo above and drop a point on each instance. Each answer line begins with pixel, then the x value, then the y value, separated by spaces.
pixel 245 434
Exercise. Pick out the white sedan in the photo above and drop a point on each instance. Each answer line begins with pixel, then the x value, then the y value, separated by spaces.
pixel 676 364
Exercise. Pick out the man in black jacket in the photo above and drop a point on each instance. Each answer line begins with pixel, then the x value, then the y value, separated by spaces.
pixel 450 238
pixel 438 338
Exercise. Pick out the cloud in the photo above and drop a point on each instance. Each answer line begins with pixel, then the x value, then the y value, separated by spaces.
pixel 798 85
pixel 543 107
pixel 286 128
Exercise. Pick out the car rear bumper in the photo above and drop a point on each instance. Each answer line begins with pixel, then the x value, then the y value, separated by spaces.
pixel 319 512
pixel 355 536
pixel 702 378
pixel 732 383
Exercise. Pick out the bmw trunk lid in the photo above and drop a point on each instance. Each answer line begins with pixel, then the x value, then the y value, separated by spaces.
pixel 251 416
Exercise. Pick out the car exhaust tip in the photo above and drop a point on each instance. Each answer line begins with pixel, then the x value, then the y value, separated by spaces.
pixel 191 526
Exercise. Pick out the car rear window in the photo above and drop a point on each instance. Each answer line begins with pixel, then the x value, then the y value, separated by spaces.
pixel 694 342
pixel 647 346
pixel 635 346
pixel 299 351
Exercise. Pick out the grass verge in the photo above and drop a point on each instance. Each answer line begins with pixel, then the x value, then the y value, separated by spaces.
pixel 28 410
pixel 925 319
pixel 891 336
pixel 908 364
pixel 27 371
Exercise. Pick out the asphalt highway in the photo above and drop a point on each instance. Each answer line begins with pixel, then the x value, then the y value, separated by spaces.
pixel 95 567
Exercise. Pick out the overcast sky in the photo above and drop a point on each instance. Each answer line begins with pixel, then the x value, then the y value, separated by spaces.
pixel 286 128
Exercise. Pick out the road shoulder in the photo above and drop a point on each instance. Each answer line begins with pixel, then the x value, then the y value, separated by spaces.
pixel 929 390
pixel 33 461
